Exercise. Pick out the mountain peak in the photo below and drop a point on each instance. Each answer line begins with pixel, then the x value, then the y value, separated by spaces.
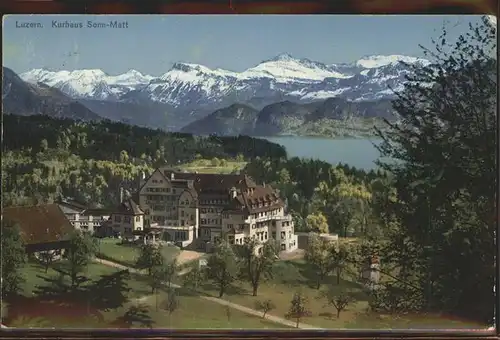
pixel 133 72
pixel 282 57
pixel 374 61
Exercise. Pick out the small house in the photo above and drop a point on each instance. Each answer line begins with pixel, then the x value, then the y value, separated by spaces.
pixel 43 227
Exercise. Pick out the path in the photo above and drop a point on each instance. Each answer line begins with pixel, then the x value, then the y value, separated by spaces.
pixel 220 301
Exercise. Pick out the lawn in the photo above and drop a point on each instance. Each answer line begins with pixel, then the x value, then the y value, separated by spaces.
pixel 208 167
pixel 32 310
pixel 291 276
pixel 112 249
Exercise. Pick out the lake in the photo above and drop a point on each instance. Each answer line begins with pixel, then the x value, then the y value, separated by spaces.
pixel 360 153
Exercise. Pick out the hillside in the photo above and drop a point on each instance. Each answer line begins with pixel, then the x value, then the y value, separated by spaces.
pixel 106 140
pixel 334 117
pixel 188 92
pixel 21 98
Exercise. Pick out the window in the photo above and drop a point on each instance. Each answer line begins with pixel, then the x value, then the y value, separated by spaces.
pixel 265 235
pixel 138 218
pixel 180 235
pixel 225 215
pixel 182 223
pixel 206 231
pixel 274 235
pixel 283 235
pixel 118 218
pixel 126 219
pixel 230 226
pixel 168 190
pixel 283 247
pixel 182 213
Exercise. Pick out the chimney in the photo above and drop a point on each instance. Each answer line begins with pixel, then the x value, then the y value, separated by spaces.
pixel 233 192
pixel 121 194
pixel 142 179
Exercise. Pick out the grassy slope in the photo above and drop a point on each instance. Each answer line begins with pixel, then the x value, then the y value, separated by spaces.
pixel 30 310
pixel 291 276
pixel 127 254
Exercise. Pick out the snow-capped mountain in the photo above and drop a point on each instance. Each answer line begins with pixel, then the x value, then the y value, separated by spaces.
pixel 284 76
pixel 93 84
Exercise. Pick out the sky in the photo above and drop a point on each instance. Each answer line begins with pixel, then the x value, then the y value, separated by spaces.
pixel 151 44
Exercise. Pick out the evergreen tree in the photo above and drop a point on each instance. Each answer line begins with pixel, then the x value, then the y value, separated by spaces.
pixel 445 176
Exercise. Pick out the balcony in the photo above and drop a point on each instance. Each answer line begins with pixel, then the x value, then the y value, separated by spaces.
pixel 273 218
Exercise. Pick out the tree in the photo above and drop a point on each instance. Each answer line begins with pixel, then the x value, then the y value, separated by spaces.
pixel 227 309
pixel 339 301
pixel 156 280
pixel 341 255
pixel 161 274
pixel 222 267
pixel 298 308
pixel 318 257
pixel 47 258
pixel 171 303
pixel 215 161
pixel 149 257
pixel 171 272
pixel 194 278
pixel 317 222
pixel 445 175
pixel 265 306
pixel 256 267
pixel 110 291
pixel 124 156
pixel 138 314
pixel 80 251
pixel 44 145
pixel 13 258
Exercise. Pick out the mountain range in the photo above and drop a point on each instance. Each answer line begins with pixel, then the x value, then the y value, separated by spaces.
pixel 189 92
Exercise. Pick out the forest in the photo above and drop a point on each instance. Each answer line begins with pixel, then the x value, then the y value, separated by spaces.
pixel 46 158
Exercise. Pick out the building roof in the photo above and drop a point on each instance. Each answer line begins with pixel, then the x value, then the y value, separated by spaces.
pixel 216 186
pixel 212 182
pixel 96 212
pixel 129 207
pixel 71 203
pixel 40 224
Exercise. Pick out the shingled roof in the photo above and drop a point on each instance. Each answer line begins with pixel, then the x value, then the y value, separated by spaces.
pixel 213 182
pixel 129 207
pixel 39 224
